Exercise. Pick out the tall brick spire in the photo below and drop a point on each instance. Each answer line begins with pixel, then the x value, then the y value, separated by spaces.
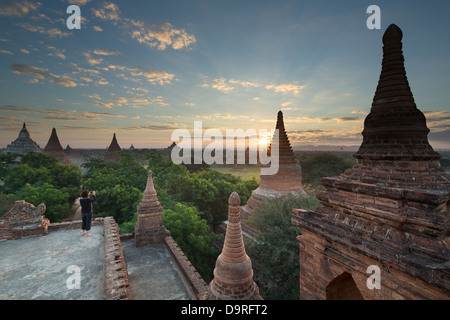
pixel 394 129
pixel 55 149
pixel 390 210
pixel 113 148
pixel 287 181
pixel 149 227
pixel 233 275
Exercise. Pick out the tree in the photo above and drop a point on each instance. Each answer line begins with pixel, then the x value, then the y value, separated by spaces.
pixel 276 251
pixel 192 235
pixel 323 165
pixel 6 202
pixel 54 199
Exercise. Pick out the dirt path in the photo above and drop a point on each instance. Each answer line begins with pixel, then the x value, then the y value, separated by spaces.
pixel 75 212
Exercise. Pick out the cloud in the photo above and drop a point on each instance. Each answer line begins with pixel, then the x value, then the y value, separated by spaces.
pixel 157 76
pixel 106 53
pixel 317 119
pixel 221 85
pixel 56 53
pixel 359 112
pixel 97 28
pixel 168 126
pixel 79 2
pixel 51 32
pixel 245 83
pixel 15 109
pixel 285 88
pixel 109 11
pixel 41 74
pixel 6 52
pixel 162 37
pixel 91 60
pixel 18 9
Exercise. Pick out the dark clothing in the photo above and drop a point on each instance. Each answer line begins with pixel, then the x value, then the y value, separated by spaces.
pixel 86 212
pixel 86 204
pixel 86 218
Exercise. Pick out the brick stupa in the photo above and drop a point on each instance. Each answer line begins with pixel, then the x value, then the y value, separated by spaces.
pixel 54 148
pixel 23 144
pixel 149 228
pixel 233 274
pixel 390 211
pixel 113 149
pixel 287 181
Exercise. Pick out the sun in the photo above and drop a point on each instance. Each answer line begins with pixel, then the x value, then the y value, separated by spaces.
pixel 264 140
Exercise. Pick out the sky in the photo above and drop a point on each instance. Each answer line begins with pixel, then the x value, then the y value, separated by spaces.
pixel 144 68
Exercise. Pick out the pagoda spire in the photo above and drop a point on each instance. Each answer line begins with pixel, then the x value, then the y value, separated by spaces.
pixel 149 228
pixel 113 148
pixel 55 149
pixel 394 129
pixel 233 274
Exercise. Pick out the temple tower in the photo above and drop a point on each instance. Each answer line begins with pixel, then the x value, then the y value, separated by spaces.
pixel 390 213
pixel 23 144
pixel 149 228
pixel 287 181
pixel 54 148
pixel 233 274
pixel 113 149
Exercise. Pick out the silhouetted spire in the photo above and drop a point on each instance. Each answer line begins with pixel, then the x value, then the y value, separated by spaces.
pixel 55 149
pixel 394 129
pixel 113 148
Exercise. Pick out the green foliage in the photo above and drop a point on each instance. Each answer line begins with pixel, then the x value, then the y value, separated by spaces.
pixel 37 168
pixel 6 162
pixel 6 202
pixel 192 235
pixel 323 165
pixel 118 186
pixel 276 250
pixel 55 200
pixel 37 160
pixel 208 190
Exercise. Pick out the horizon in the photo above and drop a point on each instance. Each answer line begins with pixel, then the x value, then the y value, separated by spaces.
pixel 142 71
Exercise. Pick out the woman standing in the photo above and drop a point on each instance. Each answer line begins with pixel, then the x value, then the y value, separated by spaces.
pixel 86 211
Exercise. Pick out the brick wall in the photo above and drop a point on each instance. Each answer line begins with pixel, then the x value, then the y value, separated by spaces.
pixel 193 277
pixel 116 276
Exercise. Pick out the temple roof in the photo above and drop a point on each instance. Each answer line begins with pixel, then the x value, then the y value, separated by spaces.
pixel 23 144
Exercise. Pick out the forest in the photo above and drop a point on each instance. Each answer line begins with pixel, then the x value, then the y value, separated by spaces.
pixel 194 198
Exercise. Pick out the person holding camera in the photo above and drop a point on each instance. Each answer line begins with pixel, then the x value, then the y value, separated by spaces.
pixel 86 211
